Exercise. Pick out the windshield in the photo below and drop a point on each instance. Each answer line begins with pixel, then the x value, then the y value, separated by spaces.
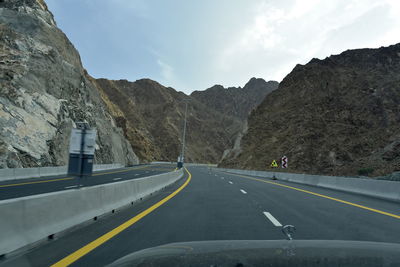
pixel 197 129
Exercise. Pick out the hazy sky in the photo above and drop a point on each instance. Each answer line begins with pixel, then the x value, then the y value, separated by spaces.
pixel 194 44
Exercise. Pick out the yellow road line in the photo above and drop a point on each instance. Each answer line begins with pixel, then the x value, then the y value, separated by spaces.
pixel 68 178
pixel 37 182
pixel 104 238
pixel 323 196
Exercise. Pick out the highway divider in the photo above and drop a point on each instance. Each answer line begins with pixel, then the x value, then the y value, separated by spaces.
pixel 200 164
pixel 30 219
pixel 22 173
pixel 185 164
pixel 387 190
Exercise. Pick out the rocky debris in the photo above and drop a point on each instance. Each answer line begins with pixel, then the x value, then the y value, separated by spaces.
pixel 337 116
pixel 44 90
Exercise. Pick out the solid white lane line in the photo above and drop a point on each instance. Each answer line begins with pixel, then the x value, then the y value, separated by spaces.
pixel 244 192
pixel 272 219
pixel 72 186
pixel 230 182
pixel 116 179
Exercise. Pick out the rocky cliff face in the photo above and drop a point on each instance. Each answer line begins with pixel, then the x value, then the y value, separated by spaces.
pixel 236 101
pixel 152 117
pixel 340 115
pixel 44 90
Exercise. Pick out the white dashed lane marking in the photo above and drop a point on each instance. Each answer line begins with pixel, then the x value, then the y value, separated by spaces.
pixel 272 219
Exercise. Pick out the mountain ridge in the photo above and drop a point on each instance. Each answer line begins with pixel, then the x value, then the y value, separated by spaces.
pixel 334 116
pixel 144 130
pixel 236 101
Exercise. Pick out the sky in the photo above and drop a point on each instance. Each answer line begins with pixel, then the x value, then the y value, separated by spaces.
pixel 192 45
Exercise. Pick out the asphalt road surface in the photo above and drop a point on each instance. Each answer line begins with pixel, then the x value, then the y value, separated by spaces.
pixel 213 205
pixel 34 186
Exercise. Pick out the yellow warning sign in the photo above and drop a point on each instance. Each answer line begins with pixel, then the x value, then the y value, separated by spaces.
pixel 274 164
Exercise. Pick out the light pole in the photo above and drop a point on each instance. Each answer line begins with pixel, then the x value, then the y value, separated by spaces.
pixel 180 164
pixel 184 133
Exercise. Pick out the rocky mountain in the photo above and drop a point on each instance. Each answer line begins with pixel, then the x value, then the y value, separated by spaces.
pixel 152 117
pixel 340 116
pixel 236 101
pixel 44 90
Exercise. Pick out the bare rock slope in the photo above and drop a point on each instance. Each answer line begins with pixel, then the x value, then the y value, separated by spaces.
pixel 44 90
pixel 152 116
pixel 340 115
pixel 236 101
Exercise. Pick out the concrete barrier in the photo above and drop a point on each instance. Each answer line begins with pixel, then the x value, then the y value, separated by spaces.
pixel 7 174
pixel 383 189
pixel 103 167
pixel 22 173
pixel 29 219
pixel 186 163
pixel 200 164
pixel 47 171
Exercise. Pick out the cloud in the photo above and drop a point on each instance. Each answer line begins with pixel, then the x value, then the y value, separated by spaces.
pixel 279 35
pixel 192 45
pixel 166 72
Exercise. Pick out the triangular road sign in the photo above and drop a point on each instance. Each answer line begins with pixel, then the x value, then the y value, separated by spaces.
pixel 274 164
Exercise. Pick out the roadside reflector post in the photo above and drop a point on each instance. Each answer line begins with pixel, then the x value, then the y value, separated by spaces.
pixel 284 162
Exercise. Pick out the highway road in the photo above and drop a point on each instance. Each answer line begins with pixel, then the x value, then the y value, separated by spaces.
pixel 213 205
pixel 34 186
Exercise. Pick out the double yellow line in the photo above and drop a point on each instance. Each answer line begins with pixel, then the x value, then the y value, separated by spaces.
pixel 104 238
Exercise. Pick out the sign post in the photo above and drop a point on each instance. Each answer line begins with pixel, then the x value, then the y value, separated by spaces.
pixel 180 162
pixel 81 150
